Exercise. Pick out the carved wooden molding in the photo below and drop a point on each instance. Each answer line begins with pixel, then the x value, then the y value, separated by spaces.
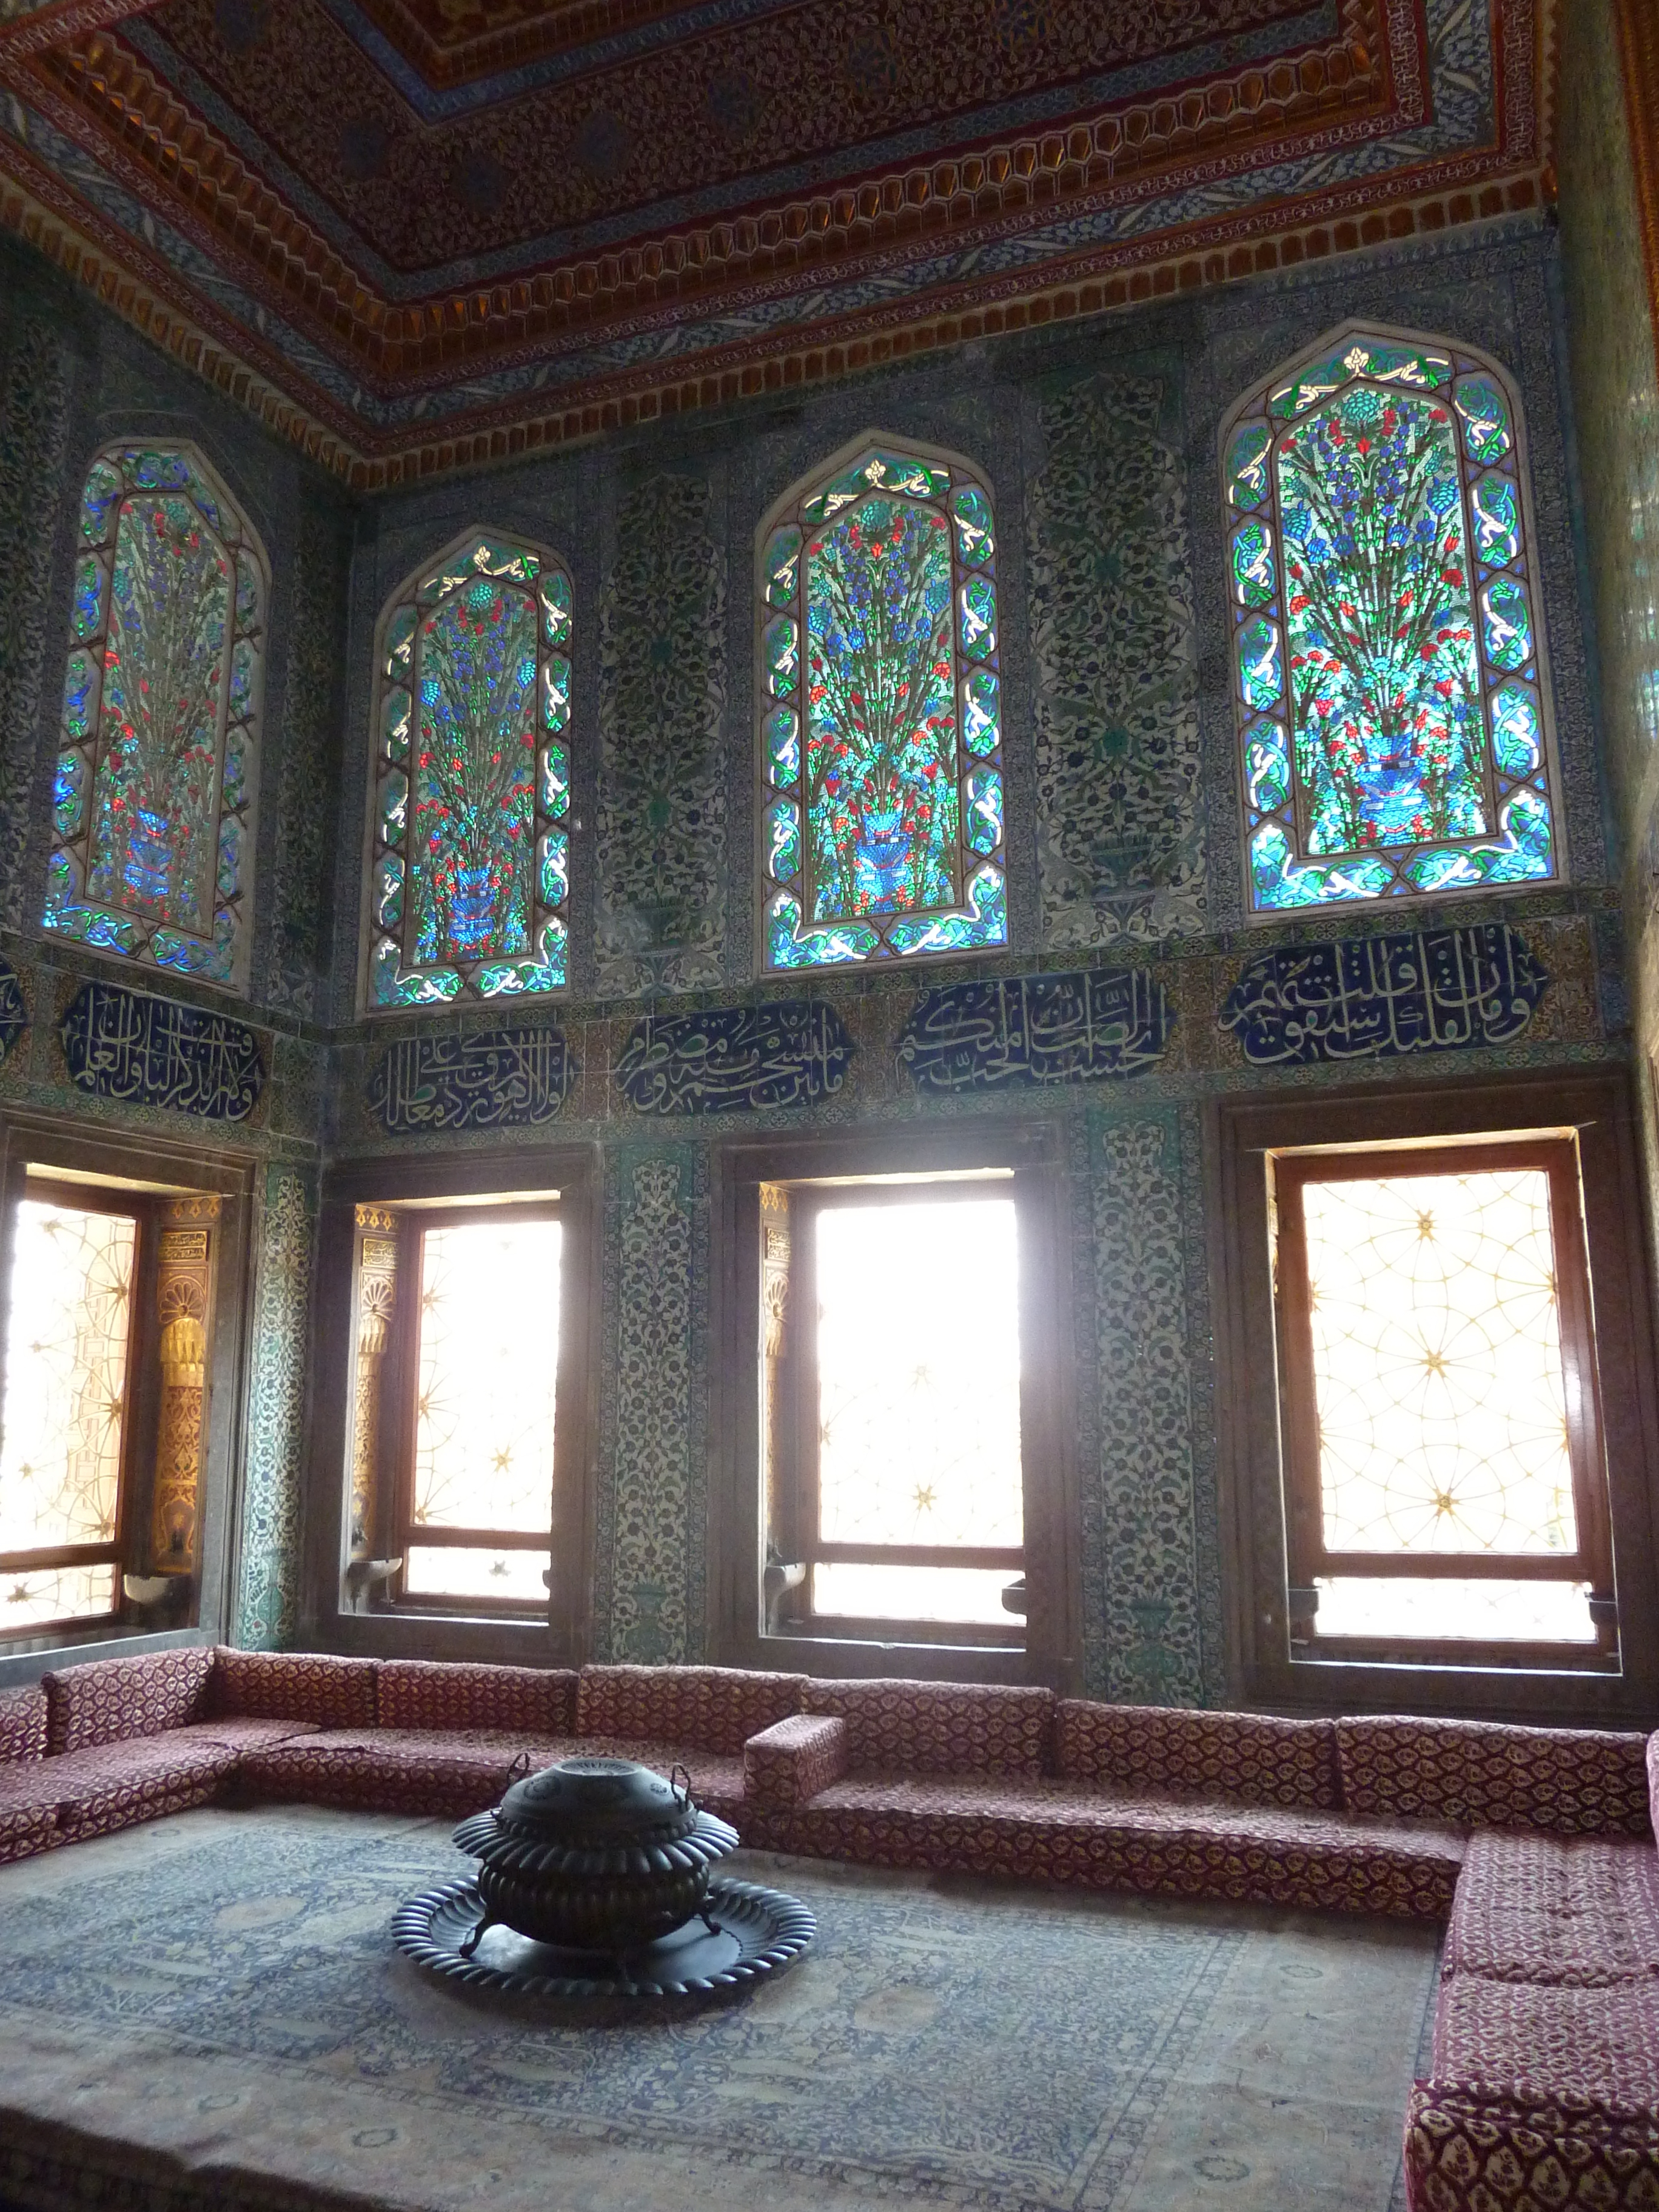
pixel 1638 50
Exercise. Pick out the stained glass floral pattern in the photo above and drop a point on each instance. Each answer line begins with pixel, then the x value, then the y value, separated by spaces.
pixel 1388 669
pixel 157 764
pixel 882 812
pixel 470 862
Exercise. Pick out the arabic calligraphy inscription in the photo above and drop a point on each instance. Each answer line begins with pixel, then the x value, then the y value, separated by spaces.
pixel 734 1059
pixel 1037 1029
pixel 143 1051
pixel 490 1079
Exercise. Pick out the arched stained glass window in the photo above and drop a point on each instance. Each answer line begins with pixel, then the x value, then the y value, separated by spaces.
pixel 158 759
pixel 881 812
pixel 469 854
pixel 1389 672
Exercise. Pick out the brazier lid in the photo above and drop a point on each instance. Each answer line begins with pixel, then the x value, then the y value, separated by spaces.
pixel 598 1800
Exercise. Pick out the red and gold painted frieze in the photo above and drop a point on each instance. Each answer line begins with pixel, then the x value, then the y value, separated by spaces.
pixel 613 287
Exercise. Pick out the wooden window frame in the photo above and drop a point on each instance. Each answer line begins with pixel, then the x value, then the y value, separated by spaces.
pixel 1613 1687
pixel 422 1192
pixel 1049 1649
pixel 1310 1560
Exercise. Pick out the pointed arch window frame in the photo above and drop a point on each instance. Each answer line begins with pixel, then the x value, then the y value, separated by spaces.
pixel 786 944
pixel 389 857
pixel 121 471
pixel 1269 786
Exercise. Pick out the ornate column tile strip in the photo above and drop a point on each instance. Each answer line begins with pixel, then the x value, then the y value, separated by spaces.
pixel 1035 1029
pixel 377 1299
pixel 267 1591
pixel 141 1051
pixel 1639 46
pixel 484 1079
pixel 183 1292
pixel 1377 998
pixel 13 1007
pixel 734 1059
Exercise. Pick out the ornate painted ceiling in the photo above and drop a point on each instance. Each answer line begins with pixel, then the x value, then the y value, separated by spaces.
pixel 415 233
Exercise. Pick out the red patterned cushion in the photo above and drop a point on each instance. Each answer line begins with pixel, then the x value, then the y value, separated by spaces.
pixel 26 1829
pixel 1155 1751
pixel 112 1700
pixel 443 1774
pixel 114 1785
pixel 1578 1910
pixel 1584 2042
pixel 1484 1775
pixel 1469 2149
pixel 301 1686
pixel 956 1728
pixel 429 1694
pixel 792 1760
pixel 22 1724
pixel 1052 1832
pixel 716 1709
pixel 244 1735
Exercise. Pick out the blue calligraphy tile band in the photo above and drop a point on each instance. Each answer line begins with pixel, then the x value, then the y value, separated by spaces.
pixel 1026 1029
pixel 486 1080
pixel 14 1014
pixel 145 1051
pixel 1377 998
pixel 734 1059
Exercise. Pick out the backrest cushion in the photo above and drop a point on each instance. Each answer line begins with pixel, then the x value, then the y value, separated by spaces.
pixel 1485 1774
pixel 938 1728
pixel 22 1724
pixel 715 1709
pixel 1653 1783
pixel 293 1685
pixel 429 1694
pixel 1155 1751
pixel 110 1700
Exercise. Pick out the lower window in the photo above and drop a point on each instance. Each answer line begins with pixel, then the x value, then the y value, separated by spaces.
pixel 1444 1486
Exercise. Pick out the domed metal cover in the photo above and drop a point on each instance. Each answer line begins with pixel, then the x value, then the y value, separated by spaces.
pixel 590 1801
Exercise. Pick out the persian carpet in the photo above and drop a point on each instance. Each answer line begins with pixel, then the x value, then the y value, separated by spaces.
pixel 209 2013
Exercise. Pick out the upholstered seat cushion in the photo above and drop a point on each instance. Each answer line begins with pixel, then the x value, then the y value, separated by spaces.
pixel 1470 2149
pixel 711 1709
pixel 244 1735
pixel 22 1724
pixel 958 1729
pixel 431 1693
pixel 1048 1831
pixel 1575 1911
pixel 1479 1774
pixel 26 1829
pixel 792 1760
pixel 445 1773
pixel 301 1686
pixel 1157 1751
pixel 116 1700
pixel 1601 2042
pixel 114 1785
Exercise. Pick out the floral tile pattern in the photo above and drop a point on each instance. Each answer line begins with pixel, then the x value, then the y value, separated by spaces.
pixel 268 1597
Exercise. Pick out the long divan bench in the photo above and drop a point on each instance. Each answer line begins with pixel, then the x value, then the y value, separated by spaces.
pixel 1537 1844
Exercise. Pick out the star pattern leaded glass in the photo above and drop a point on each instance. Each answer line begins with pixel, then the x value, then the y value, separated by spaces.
pixel 64 1406
pixel 1388 674
pixel 880 719
pixel 469 864
pixel 157 763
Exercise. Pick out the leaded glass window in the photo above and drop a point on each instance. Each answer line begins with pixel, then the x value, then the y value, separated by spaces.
pixel 881 813
pixel 469 845
pixel 158 757
pixel 1389 672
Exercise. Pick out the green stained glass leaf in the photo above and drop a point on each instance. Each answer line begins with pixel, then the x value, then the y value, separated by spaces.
pixel 878 471
pixel 1268 768
pixel 1507 621
pixel 230 857
pixel 1306 390
pixel 1246 465
pixel 393 806
pixel 986 923
pixel 782 841
pixel 781 738
pixel 781 646
pixel 249 590
pixel 395 710
pixel 982 712
pixel 781 566
pixel 975 541
pixel 1276 879
pixel 1517 745
pixel 1253 578
pixel 1485 415
pixel 80 693
pixel 977 613
pixel 1497 521
pixel 233 791
pixel 555 693
pixel 1260 664
pixel 69 793
pixel 103 490
pixel 89 596
pixel 387 897
pixel 243 668
pixel 983 815
pixel 555 867
pixel 791 947
pixel 400 645
pixel 555 607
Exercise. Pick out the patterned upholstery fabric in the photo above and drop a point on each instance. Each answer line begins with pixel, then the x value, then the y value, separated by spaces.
pixel 22 1724
pixel 427 1694
pixel 1469 2149
pixel 1052 1832
pixel 445 1775
pixel 301 1686
pixel 114 1785
pixel 1581 2042
pixel 243 1734
pixel 713 1709
pixel 1480 1774
pixel 960 1729
pixel 792 1760
pixel 112 1700
pixel 1153 1751
pixel 26 1829
pixel 1576 1911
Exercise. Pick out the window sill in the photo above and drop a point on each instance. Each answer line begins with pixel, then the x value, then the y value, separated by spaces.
pixel 19 1667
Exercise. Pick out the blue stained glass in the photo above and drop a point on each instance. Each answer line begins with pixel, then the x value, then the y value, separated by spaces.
pixel 1268 768
pixel 388 892
pixel 555 867
pixel 98 500
pixel 781 647
pixel 1507 620
pixel 783 840
pixel 1254 579
pixel 230 856
pixel 982 712
pixel 1497 521
pixel 975 541
pixel 159 471
pixel 556 692
pixel 79 694
pixel 791 947
pixel 1279 881
pixel 89 596
pixel 232 789
pixel 1246 465
pixel 781 566
pixel 555 781
pixel 877 472
pixel 988 923
pixel 69 792
pixel 782 738
pixel 978 617
pixel 1485 418
pixel 984 817
pixel 248 591
pixel 1517 745
pixel 1260 669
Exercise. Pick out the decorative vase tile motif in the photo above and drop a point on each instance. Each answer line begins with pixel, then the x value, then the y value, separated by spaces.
pixel 1144 1544
pixel 734 1059
pixel 34 408
pixel 144 1051
pixel 1378 997
pixel 267 1592
pixel 661 841
pixel 1037 1029
pixel 488 1079
pixel 1119 825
